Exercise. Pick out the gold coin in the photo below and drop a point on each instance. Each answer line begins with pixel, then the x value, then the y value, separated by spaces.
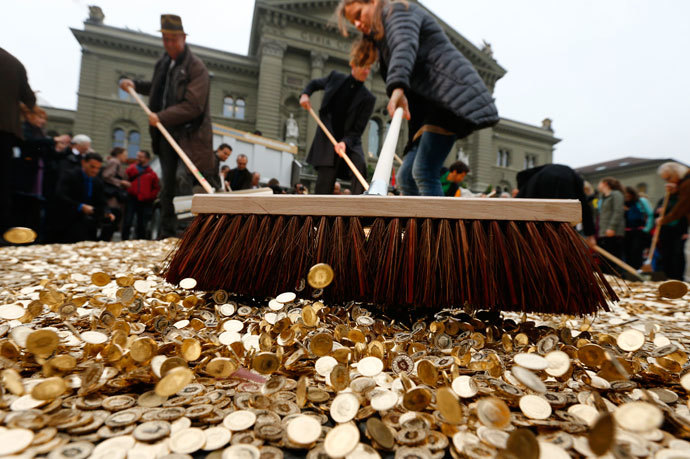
pixel 380 433
pixel 602 435
pixel 631 340
pixel 220 367
pixel 20 235
pixel 266 363
pixel 344 407
pixel 301 391
pixel 639 417
pixel 309 316
pixel 174 381
pixel 321 344
pixel 49 388
pixel 427 372
pixel 591 355
pixel 100 279
pixel 12 381
pixel 673 289
pixel 493 412
pixel 150 399
pixel 42 343
pixel 417 399
pixel 143 349
pixel 320 276
pixel 447 403
pixel 340 377
pixel 341 440
pixel 523 444
pixel 190 349
pixel 529 379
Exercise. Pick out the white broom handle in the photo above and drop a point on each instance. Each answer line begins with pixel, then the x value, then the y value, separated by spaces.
pixel 382 174
pixel 183 156
pixel 347 159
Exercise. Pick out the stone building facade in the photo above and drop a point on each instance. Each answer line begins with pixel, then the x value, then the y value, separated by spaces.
pixel 292 42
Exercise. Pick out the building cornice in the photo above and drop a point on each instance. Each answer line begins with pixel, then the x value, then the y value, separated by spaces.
pixel 511 127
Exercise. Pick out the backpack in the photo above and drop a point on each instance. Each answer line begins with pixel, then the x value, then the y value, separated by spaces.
pixel 635 217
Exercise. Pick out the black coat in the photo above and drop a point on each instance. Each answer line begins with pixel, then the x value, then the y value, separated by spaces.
pixel 321 152
pixel 66 220
pixel 417 56
pixel 244 178
pixel 556 181
pixel 14 88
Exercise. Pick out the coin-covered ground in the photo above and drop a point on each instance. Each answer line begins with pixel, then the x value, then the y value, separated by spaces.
pixel 102 358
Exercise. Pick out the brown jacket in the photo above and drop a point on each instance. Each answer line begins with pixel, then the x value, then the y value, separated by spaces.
pixel 187 115
pixel 14 88
pixel 682 207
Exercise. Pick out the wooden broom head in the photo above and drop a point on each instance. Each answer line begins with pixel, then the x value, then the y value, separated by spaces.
pixel 419 255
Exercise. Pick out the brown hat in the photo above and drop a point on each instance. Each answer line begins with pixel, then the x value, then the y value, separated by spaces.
pixel 171 23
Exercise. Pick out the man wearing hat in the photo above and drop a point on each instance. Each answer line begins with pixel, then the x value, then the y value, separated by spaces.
pixel 179 99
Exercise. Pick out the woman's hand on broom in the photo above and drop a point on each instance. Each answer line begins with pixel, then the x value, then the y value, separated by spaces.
pixel 305 102
pixel 591 241
pixel 399 100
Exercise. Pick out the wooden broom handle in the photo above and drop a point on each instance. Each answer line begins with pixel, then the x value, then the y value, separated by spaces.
pixel 619 262
pixel 183 156
pixel 655 239
pixel 343 155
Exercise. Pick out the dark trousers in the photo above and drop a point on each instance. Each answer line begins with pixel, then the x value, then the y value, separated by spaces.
pixel 143 212
pixel 169 159
pixel 109 227
pixel 671 251
pixel 326 177
pixel 7 142
pixel 85 228
pixel 615 246
pixel 634 246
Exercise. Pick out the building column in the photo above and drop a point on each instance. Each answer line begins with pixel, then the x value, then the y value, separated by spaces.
pixel 482 159
pixel 270 88
pixel 318 62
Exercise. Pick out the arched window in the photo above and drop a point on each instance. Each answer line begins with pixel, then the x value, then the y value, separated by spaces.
pixel 374 137
pixel 228 107
pixel 133 143
pixel 503 159
pixel 119 138
pixel 239 109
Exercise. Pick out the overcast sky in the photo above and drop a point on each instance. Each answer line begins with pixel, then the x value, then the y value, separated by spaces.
pixel 614 75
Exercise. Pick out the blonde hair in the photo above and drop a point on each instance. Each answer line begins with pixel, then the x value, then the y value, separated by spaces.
pixel 674 169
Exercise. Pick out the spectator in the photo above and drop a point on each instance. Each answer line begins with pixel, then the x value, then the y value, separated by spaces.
pixel 80 202
pixel 224 170
pixel 115 184
pixel 337 189
pixel 141 194
pixel 347 192
pixel 14 88
pixel 223 152
pixel 635 222
pixel 29 173
pixel 274 184
pixel 179 100
pixel 300 189
pixel 240 178
pixel 611 216
pixel 451 180
pixel 674 232
pixel 256 178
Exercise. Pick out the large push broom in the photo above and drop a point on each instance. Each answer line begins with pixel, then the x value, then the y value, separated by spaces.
pixel 420 252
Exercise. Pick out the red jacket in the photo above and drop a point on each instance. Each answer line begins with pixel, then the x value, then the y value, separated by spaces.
pixel 145 186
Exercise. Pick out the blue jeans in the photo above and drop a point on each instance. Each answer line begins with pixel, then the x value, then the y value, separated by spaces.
pixel 420 173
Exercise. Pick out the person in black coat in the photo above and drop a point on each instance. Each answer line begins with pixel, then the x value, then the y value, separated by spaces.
pixel 80 205
pixel 14 88
pixel 556 181
pixel 345 110
pixel 240 178
pixel 441 93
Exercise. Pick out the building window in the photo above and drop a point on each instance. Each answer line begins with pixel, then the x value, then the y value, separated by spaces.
pixel 228 107
pixel 240 106
pixel 374 138
pixel 119 138
pixel 530 161
pixel 133 142
pixel 503 159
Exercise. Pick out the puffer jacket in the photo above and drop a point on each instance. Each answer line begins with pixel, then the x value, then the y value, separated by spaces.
pixel 416 55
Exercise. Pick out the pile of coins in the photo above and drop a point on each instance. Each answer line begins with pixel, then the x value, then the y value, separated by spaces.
pixel 101 358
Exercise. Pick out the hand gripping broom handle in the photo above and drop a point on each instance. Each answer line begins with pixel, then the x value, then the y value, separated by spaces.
pixel 183 156
pixel 382 174
pixel 352 167
pixel 655 240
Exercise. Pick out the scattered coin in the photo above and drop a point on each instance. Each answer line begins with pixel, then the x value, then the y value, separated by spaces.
pixel 639 417
pixel 239 420
pixel 630 340
pixel 601 437
pixel 535 407
pixel 370 366
pixel 216 437
pixel 523 444
pixel 344 407
pixel 465 387
pixel 286 298
pixel 447 403
pixel 14 440
pixel 320 276
pixel 20 235
pixel 188 284
pixel 673 289
pixel 341 440
pixel 187 441
pixel 493 412
pixel 303 430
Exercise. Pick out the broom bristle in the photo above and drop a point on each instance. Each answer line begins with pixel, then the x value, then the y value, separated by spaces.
pixel 401 265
